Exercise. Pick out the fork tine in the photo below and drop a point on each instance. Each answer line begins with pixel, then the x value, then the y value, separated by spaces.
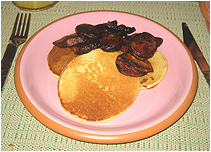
pixel 24 24
pixel 27 27
pixel 15 25
pixel 19 25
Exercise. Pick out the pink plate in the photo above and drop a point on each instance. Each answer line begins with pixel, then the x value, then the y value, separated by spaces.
pixel 153 110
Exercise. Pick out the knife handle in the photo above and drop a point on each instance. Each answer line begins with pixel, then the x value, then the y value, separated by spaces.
pixel 207 76
pixel 6 62
pixel 203 65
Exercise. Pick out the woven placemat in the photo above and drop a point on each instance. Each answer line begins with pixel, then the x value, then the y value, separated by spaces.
pixel 20 131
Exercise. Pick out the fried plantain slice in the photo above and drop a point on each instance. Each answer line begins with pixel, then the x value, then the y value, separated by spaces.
pixel 112 27
pixel 143 45
pixel 110 42
pixel 142 65
pixel 69 40
pixel 88 31
pixel 128 66
pixel 88 46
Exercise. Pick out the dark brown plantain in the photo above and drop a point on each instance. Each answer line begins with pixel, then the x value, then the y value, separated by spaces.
pixel 129 65
pixel 69 40
pixel 143 45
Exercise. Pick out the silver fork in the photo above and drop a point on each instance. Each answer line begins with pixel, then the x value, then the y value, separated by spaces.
pixel 19 35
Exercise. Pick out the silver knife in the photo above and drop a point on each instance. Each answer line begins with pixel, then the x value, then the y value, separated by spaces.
pixel 196 52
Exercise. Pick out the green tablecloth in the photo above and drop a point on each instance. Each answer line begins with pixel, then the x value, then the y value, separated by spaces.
pixel 20 131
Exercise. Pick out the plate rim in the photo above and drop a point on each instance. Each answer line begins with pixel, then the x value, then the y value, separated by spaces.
pixel 99 138
pixel 204 10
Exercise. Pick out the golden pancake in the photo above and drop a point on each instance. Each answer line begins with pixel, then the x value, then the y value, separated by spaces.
pixel 92 89
pixel 58 59
pixel 151 79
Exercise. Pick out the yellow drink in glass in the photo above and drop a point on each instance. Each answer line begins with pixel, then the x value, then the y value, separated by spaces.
pixel 34 5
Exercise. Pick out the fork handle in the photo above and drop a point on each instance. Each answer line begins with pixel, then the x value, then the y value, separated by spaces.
pixel 6 62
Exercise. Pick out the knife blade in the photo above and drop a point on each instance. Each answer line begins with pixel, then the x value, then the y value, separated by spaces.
pixel 196 52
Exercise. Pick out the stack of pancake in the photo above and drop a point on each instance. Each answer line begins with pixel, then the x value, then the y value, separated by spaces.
pixel 91 88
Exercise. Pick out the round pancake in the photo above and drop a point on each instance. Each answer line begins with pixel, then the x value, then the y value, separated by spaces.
pixel 58 59
pixel 92 89
pixel 151 79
